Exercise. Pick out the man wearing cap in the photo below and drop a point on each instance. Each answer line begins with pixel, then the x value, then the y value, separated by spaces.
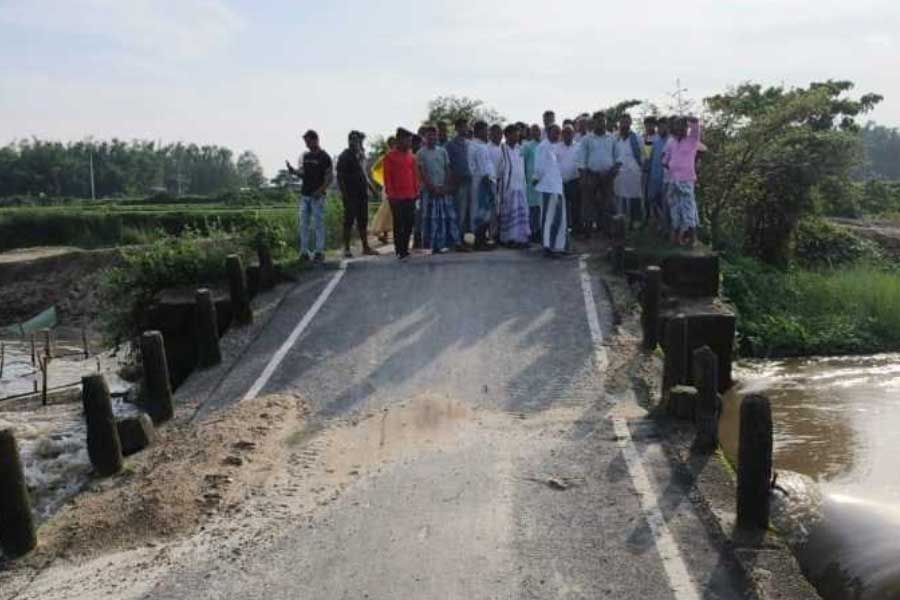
pixel 316 173
pixel 354 186
pixel 401 184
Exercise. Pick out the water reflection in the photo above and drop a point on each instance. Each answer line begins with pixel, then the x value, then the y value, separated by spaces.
pixel 836 419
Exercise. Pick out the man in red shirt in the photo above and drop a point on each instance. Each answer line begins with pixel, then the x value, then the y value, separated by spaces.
pixel 402 187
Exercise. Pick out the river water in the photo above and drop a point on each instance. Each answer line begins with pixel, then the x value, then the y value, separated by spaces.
pixel 52 438
pixel 837 422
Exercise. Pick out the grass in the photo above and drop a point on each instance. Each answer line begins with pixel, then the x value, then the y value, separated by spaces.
pixel 851 309
pixel 96 225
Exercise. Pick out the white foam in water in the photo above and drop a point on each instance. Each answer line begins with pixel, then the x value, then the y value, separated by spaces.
pixel 52 439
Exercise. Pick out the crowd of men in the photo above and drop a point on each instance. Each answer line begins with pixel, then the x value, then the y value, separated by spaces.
pixel 511 186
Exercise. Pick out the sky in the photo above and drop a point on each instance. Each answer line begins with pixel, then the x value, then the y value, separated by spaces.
pixel 255 74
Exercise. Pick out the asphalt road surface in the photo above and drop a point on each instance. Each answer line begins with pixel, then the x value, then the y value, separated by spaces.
pixel 476 383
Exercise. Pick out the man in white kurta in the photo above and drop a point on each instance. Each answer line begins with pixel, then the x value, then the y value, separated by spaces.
pixel 548 182
pixel 514 216
pixel 484 177
pixel 628 152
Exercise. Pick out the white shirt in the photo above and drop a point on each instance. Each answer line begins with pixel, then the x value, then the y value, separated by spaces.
pixel 480 163
pixel 565 155
pixel 628 180
pixel 512 164
pixel 546 170
pixel 494 152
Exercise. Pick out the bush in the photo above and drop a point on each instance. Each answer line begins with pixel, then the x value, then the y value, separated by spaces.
pixel 818 243
pixel 192 258
pixel 853 309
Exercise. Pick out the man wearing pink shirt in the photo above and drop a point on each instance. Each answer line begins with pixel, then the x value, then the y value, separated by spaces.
pixel 679 159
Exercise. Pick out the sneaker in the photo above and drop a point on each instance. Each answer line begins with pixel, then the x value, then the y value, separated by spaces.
pixel 348 254
pixel 319 257
pixel 403 256
pixel 369 251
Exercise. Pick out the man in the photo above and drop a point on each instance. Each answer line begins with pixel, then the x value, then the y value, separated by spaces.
pixel 529 151
pixel 597 170
pixel 549 118
pixel 548 181
pixel 680 158
pixel 568 167
pixel 657 178
pixel 316 172
pixel 514 226
pixel 401 186
pixel 440 228
pixel 354 186
pixel 442 135
pixel 495 137
pixel 483 198
pixel 629 153
pixel 581 126
pixel 460 176
pixel 416 145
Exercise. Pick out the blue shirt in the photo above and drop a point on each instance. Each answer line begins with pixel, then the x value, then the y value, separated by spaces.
pixel 458 152
pixel 596 153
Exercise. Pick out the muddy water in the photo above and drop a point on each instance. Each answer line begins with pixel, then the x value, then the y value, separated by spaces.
pixel 52 438
pixel 836 422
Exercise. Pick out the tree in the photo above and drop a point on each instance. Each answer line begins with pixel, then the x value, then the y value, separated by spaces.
pixel 768 150
pixel 451 108
pixel 283 179
pixel 882 145
pixel 249 171
pixel 615 112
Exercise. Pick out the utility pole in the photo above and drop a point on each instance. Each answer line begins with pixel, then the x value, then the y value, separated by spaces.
pixel 93 197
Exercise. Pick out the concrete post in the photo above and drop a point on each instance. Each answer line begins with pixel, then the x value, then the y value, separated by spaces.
pixel 650 306
pixel 104 448
pixel 706 380
pixel 266 266
pixel 17 532
pixel 675 364
pixel 157 394
pixel 754 463
pixel 208 353
pixel 237 285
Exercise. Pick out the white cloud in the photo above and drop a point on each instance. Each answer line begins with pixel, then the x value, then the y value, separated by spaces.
pixel 175 29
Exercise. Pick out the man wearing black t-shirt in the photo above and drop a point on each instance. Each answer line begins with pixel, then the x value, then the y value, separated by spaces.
pixel 315 171
pixel 354 186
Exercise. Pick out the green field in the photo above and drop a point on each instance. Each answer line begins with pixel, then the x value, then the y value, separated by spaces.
pixel 128 222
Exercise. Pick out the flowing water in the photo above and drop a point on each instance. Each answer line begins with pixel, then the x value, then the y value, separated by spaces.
pixel 52 438
pixel 837 424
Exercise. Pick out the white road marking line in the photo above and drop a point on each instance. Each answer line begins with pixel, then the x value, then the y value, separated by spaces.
pixel 679 580
pixel 593 319
pixel 282 351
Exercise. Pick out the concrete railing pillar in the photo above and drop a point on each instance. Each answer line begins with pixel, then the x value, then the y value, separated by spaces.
pixel 237 285
pixel 754 463
pixel 706 414
pixel 208 351
pixel 676 360
pixel 157 393
pixel 104 448
pixel 650 306
pixel 17 533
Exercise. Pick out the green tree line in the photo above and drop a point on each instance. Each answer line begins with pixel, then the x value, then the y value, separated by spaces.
pixel 35 167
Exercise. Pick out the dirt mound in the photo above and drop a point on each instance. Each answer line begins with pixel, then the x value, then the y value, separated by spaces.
pixel 34 279
pixel 193 472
